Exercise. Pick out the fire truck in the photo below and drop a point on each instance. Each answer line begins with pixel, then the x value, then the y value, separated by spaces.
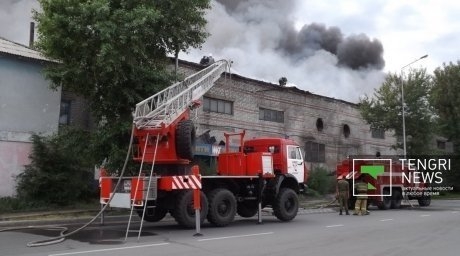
pixel 264 172
pixel 389 182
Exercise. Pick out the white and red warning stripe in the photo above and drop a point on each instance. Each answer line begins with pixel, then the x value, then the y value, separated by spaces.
pixel 186 182
pixel 354 174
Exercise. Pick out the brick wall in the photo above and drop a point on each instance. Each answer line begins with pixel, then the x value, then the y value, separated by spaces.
pixel 301 112
pixel 80 114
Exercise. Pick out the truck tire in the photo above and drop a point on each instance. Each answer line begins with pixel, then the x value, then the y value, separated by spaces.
pixel 385 204
pixel 222 207
pixel 185 139
pixel 396 199
pixel 424 201
pixel 184 213
pixel 286 204
pixel 247 209
pixel 152 214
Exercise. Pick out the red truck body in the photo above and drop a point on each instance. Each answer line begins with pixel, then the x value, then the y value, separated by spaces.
pixel 266 171
pixel 387 189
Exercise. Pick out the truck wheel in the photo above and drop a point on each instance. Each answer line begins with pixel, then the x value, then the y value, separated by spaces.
pixel 185 139
pixel 152 214
pixel 247 209
pixel 222 207
pixel 385 204
pixel 286 204
pixel 184 213
pixel 424 201
pixel 396 199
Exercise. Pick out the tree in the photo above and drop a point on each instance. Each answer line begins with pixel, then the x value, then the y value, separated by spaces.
pixel 113 53
pixel 59 172
pixel 384 110
pixel 445 97
pixel 184 27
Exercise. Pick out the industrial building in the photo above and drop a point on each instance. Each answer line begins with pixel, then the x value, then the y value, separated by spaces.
pixel 328 129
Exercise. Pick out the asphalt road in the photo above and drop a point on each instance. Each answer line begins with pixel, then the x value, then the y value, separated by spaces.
pixel 433 230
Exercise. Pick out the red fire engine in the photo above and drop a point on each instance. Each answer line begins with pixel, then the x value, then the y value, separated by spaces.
pixel 389 187
pixel 264 172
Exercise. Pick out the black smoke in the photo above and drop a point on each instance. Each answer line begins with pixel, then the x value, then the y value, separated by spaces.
pixel 359 51
pixel 353 51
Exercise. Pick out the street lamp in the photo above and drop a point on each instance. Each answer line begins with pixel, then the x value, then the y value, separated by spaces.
pixel 402 102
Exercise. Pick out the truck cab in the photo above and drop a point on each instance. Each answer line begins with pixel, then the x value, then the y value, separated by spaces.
pixel 287 155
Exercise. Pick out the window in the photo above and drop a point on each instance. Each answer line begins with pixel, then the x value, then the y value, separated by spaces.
pixel 271 115
pixel 319 124
pixel 378 133
pixel 294 153
pixel 315 152
pixel 218 106
pixel 274 149
pixel 346 130
pixel 64 114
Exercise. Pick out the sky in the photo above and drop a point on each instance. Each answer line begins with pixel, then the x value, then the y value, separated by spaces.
pixel 340 49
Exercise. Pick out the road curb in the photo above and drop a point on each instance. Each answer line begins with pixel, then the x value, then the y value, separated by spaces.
pixel 74 216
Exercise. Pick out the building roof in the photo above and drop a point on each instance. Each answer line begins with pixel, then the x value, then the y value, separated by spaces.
pixel 11 48
pixel 272 85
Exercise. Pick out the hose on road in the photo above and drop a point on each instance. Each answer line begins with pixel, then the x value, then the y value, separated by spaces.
pixel 63 235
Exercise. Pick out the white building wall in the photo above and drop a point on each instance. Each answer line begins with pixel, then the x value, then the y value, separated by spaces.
pixel 27 106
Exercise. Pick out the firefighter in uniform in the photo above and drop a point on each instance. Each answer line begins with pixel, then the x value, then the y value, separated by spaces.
pixel 343 193
pixel 361 198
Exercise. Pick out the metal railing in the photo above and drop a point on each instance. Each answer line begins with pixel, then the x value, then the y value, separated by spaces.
pixel 165 106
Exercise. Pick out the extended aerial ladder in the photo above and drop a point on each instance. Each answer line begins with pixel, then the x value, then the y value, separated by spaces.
pixel 167 114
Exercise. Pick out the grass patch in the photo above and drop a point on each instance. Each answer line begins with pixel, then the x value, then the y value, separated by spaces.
pixel 16 205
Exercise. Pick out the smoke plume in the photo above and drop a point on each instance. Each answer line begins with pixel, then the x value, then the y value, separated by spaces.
pixel 262 40
pixel 266 43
